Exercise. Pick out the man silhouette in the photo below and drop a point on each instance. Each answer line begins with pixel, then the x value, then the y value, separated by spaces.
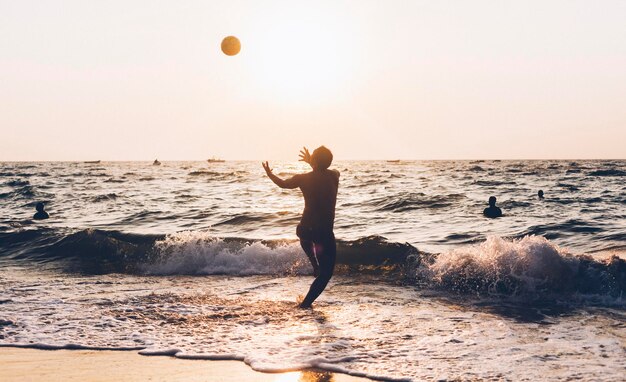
pixel 319 188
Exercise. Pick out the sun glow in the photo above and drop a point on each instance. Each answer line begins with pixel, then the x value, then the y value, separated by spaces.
pixel 292 376
pixel 304 376
pixel 301 55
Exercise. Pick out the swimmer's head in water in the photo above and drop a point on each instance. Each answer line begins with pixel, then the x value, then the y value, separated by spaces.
pixel 492 201
pixel 321 158
pixel 540 193
pixel 39 207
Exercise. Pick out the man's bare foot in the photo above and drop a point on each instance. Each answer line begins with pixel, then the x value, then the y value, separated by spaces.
pixel 304 306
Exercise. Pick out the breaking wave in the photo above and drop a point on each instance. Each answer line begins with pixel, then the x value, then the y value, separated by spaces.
pixel 530 266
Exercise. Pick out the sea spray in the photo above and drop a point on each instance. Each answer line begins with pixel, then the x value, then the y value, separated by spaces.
pixel 196 252
pixel 531 266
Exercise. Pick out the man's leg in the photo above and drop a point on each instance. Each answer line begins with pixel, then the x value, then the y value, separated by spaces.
pixel 326 253
pixel 309 249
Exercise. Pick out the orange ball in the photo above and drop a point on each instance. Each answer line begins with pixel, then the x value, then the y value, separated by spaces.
pixel 231 45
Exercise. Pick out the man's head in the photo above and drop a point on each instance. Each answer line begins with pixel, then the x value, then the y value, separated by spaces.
pixel 321 158
pixel 39 207
pixel 492 201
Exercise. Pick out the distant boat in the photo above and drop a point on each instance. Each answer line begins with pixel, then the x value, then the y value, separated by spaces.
pixel 91 162
pixel 156 163
pixel 215 160
pixel 394 161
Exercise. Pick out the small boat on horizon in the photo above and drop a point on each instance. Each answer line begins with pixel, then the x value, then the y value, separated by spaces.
pixel 156 163
pixel 215 160
pixel 91 161
pixel 394 161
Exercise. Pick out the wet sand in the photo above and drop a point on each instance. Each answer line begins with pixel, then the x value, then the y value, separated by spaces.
pixel 86 365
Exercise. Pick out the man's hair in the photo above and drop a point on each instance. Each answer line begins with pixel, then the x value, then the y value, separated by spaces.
pixel 492 200
pixel 321 158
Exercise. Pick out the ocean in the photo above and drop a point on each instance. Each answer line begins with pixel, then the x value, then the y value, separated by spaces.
pixel 200 260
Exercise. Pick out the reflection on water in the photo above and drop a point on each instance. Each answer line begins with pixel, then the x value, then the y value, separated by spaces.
pixel 361 327
pixel 305 376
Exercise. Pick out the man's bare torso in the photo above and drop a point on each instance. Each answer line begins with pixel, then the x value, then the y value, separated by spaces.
pixel 319 189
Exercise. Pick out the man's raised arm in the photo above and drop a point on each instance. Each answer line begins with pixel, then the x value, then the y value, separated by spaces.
pixel 293 182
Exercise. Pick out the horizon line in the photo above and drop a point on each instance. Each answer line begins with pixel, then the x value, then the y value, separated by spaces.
pixel 295 160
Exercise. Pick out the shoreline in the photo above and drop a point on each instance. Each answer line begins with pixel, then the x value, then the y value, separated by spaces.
pixel 31 364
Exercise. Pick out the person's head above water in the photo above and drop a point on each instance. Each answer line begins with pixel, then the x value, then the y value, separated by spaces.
pixel 492 211
pixel 321 158
pixel 540 194
pixel 40 214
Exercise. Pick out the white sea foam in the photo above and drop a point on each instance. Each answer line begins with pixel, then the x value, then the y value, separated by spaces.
pixel 359 326
pixel 498 265
pixel 197 252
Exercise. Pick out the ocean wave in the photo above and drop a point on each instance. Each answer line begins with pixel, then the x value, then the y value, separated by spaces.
pixel 367 181
pixel 571 226
pixel 147 215
pixel 114 180
pixel 563 201
pixel 204 173
pixel 98 251
pixel 198 253
pixel 26 191
pixel 608 172
pixel 409 201
pixel 187 196
pixel 492 183
pixel 509 204
pixel 17 183
pixel 568 187
pixel 476 169
pixel 246 218
pixel 23 174
pixel 104 197
pixel 462 238
pixel 531 265
pixel 593 200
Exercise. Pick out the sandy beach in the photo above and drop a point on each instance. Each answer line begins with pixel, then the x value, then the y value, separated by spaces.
pixel 18 364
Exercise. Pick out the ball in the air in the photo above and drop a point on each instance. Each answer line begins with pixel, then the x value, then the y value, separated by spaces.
pixel 231 45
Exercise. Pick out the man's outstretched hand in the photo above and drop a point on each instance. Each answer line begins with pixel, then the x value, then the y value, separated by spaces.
pixel 293 182
pixel 266 167
pixel 305 156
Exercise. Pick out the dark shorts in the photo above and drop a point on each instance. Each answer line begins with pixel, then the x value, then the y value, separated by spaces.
pixel 314 235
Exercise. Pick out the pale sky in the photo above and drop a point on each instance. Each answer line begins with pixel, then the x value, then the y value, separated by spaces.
pixel 138 80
